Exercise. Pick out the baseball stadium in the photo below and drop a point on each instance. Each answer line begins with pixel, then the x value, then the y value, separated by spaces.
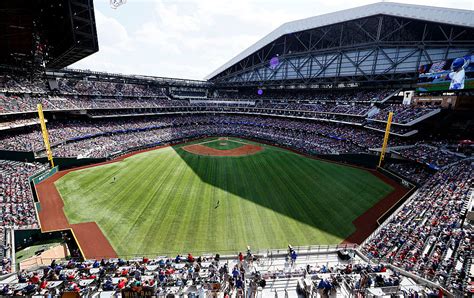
pixel 330 158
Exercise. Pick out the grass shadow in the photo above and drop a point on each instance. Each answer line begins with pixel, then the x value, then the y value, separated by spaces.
pixel 319 194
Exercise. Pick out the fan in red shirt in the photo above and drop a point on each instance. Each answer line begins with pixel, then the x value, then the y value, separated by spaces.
pixel 43 284
pixel 122 283
pixel 190 258
pixel 124 272
pixel 34 279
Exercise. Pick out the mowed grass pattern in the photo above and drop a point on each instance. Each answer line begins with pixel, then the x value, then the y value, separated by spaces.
pixel 164 201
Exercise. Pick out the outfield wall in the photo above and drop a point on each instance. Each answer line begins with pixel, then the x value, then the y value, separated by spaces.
pixel 17 155
pixel 365 160
pixel 38 177
pixel 71 162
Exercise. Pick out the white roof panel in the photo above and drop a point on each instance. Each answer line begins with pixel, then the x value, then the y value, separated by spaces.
pixel 450 16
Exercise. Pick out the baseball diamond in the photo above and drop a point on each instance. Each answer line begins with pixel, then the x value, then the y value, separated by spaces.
pixel 164 200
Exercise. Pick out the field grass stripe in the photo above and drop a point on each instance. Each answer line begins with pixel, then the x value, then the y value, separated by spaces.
pixel 146 192
pixel 163 201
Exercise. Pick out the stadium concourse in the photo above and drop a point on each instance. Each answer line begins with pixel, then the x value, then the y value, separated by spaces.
pixel 322 86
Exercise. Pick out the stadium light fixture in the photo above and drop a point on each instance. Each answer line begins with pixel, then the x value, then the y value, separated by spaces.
pixel 116 3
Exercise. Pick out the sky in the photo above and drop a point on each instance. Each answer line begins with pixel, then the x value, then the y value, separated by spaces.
pixel 192 38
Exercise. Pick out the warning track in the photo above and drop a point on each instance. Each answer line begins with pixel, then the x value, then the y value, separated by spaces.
pixel 366 223
pixel 91 240
pixel 89 237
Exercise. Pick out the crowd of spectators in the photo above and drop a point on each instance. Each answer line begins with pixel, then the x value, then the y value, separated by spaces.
pixel 19 95
pixel 402 114
pixel 428 235
pixel 32 140
pixel 160 276
pixel 16 204
pixel 189 93
pixel 239 108
pixel 4 247
pixel 330 108
pixel 329 95
pixel 394 129
pixel 433 155
pixel 354 113
pixel 340 111
pixel 16 201
pixel 26 103
pixel 6 124
pixel 120 133
pixel 200 276
pixel 414 172
pixel 21 84
pixel 104 94
pixel 103 135
pixel 107 88
pixel 23 103
pixel 105 145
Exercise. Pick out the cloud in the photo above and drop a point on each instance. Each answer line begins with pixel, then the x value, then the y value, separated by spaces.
pixel 114 43
pixel 191 38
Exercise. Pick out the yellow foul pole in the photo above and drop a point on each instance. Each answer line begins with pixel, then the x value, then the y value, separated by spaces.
pixel 385 138
pixel 49 153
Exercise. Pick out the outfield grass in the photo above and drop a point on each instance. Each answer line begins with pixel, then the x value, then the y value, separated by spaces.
pixel 164 201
